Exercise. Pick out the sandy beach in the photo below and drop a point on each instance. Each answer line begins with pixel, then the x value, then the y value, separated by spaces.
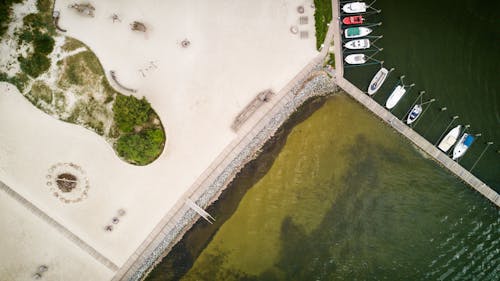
pixel 237 50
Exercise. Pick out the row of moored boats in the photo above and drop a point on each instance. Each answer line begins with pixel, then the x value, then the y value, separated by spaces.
pixel 356 32
pixel 460 145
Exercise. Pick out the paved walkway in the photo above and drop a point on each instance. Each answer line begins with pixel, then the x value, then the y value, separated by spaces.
pixel 250 129
pixel 59 227
pixel 397 124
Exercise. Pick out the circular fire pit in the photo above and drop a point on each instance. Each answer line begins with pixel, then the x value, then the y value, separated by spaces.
pixel 67 182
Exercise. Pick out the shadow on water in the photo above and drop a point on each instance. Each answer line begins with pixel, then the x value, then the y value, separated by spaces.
pixel 182 256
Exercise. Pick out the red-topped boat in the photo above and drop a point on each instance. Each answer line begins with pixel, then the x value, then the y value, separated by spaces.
pixel 353 20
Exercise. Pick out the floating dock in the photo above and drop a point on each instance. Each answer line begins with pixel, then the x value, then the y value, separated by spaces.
pixel 397 124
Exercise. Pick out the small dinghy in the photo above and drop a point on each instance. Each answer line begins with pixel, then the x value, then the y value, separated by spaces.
pixel 463 144
pixel 450 139
pixel 377 81
pixel 358 44
pixel 353 20
pixel 354 7
pixel 395 97
pixel 355 59
pixel 356 32
pixel 414 114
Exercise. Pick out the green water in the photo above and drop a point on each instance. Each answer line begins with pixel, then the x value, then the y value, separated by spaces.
pixel 346 198
pixel 449 48
pixel 349 199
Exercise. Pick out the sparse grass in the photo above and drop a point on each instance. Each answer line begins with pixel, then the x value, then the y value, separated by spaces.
pixel 20 80
pixel 322 16
pixel 71 44
pixel 331 60
pixel 41 91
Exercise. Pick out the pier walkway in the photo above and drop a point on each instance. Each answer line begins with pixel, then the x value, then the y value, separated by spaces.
pixel 397 124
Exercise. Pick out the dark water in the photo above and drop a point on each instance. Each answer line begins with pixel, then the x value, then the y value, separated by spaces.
pixel 346 198
pixel 450 49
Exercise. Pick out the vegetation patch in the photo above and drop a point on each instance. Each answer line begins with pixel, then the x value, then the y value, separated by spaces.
pixel 41 91
pixel 6 14
pixel 76 89
pixel 322 16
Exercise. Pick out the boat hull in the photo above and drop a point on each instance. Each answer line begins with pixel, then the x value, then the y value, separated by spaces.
pixel 414 114
pixel 395 97
pixel 462 146
pixel 353 20
pixel 358 44
pixel 354 7
pixel 377 81
pixel 355 59
pixel 357 32
pixel 450 139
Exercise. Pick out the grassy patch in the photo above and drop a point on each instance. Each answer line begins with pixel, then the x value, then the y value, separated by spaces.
pixel 20 80
pixel 71 44
pixel 41 91
pixel 322 16
pixel 331 60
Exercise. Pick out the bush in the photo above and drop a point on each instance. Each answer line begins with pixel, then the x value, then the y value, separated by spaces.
pixel 5 14
pixel 130 112
pixel 141 148
pixel 43 43
pixel 35 64
pixel 44 6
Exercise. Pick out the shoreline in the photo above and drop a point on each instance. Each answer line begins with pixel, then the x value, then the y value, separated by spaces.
pixel 251 173
pixel 206 193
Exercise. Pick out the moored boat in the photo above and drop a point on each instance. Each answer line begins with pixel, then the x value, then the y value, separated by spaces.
pixel 395 97
pixel 358 44
pixel 414 114
pixel 355 59
pixel 377 81
pixel 450 139
pixel 463 144
pixel 356 32
pixel 353 20
pixel 354 7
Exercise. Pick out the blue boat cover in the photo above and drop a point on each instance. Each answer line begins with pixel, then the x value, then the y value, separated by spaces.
pixel 468 140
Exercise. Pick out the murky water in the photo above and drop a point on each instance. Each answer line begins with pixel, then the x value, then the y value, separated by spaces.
pixel 349 199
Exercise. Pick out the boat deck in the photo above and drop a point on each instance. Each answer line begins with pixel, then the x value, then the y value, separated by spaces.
pixel 397 124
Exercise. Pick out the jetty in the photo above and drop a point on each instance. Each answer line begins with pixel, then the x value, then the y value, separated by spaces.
pixel 397 124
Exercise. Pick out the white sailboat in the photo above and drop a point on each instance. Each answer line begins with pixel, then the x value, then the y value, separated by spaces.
pixel 395 97
pixel 354 7
pixel 450 139
pixel 358 44
pixel 463 144
pixel 377 81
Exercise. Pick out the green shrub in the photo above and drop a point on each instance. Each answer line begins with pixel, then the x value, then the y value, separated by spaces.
pixel 35 64
pixel 6 14
pixel 130 112
pixel 141 148
pixel 43 43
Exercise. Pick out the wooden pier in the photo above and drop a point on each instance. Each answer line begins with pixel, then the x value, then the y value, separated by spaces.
pixel 397 124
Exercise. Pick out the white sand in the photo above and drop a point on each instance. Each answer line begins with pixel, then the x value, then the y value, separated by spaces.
pixel 238 48
pixel 28 242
